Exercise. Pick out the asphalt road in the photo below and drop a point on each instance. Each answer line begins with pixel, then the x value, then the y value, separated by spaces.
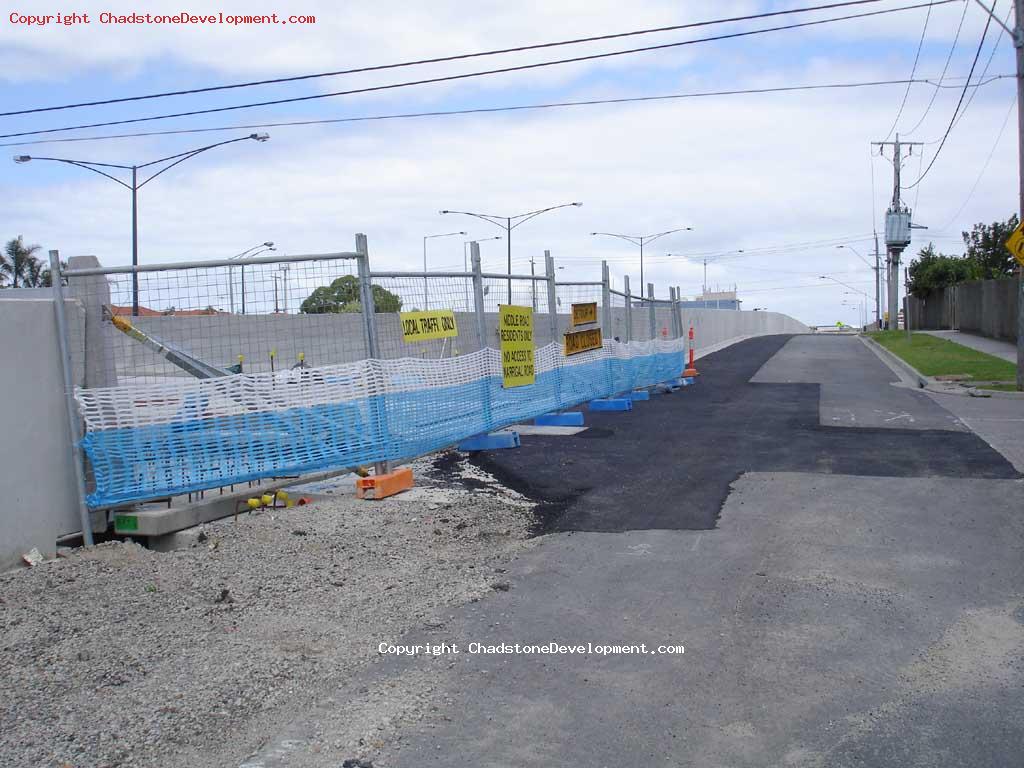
pixel 668 463
pixel 846 595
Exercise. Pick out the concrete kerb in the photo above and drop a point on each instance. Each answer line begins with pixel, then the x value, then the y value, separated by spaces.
pixel 914 378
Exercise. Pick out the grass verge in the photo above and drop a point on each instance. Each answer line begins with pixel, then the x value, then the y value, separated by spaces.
pixel 934 356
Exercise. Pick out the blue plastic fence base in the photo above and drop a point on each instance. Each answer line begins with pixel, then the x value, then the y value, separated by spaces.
pixel 689 381
pixel 612 404
pixel 491 442
pixel 570 419
pixel 639 394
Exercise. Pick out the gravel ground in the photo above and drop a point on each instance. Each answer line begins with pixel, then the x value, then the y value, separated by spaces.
pixel 120 656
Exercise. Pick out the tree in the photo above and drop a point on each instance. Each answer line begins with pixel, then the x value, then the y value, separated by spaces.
pixel 19 263
pixel 986 248
pixel 342 295
pixel 931 271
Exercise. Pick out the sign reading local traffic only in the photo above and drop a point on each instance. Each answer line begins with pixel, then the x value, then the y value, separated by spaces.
pixel 1015 244
pixel 515 327
pixel 424 326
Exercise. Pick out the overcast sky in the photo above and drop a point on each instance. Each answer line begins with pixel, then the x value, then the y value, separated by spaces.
pixel 769 174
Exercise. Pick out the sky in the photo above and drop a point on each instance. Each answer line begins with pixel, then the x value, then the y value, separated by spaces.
pixel 770 183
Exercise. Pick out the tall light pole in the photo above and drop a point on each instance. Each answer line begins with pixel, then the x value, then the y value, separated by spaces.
pixel 136 185
pixel 506 223
pixel 248 253
pixel 267 246
pixel 845 285
pixel 704 260
pixel 642 240
pixel 878 297
pixel 425 238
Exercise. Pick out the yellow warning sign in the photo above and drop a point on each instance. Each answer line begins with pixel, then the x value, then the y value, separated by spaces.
pixel 582 341
pixel 515 327
pixel 424 326
pixel 583 314
pixel 1015 244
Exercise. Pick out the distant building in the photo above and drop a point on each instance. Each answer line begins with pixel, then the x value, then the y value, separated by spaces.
pixel 713 300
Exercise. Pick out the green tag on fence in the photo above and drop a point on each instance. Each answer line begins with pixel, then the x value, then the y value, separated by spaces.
pixel 126 523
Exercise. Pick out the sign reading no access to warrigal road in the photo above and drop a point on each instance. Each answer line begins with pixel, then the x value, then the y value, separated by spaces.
pixel 515 327
pixel 424 326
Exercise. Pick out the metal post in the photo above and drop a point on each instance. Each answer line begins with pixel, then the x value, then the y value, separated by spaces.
pixel 243 289
pixel 653 316
pixel 370 331
pixel 508 232
pixel 481 329
pixel 606 301
pixel 533 286
pixel 549 270
pixel 629 309
pixel 135 243
pixel 69 396
pixel 1019 45
pixel 878 281
pixel 906 302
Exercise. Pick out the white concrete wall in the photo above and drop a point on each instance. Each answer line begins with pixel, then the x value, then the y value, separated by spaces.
pixel 37 486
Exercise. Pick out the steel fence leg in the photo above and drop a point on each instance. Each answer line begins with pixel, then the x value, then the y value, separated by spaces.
pixel 481 331
pixel 74 429
pixel 629 309
pixel 651 311
pixel 373 350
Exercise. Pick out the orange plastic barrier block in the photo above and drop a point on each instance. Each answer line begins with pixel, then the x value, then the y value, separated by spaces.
pixel 691 371
pixel 382 486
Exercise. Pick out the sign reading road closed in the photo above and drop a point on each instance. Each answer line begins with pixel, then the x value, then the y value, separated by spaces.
pixel 515 327
pixel 584 314
pixel 424 326
pixel 582 341
pixel 1015 244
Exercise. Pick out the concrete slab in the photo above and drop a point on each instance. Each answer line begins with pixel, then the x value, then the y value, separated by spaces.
pixel 997 421
pixel 1006 350
pixel 821 629
pixel 538 429
pixel 855 389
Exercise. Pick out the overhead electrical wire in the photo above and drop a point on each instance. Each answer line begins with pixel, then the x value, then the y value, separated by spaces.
pixel 480 73
pixel 441 59
pixel 945 68
pixel 913 72
pixel 489 110
pixel 952 122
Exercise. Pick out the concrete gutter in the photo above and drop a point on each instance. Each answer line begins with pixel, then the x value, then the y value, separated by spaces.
pixel 910 375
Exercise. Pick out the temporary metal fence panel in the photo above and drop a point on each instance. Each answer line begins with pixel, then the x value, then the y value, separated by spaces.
pixel 182 413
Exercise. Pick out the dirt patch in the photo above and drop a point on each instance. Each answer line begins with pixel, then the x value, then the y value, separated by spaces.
pixel 121 656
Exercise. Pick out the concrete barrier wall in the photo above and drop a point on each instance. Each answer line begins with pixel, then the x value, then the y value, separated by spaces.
pixel 36 478
pixel 338 338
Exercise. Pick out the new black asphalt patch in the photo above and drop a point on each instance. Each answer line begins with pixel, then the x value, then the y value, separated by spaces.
pixel 668 464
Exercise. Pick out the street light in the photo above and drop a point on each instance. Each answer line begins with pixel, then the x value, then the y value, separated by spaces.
pixel 136 185
pixel 248 253
pixel 425 238
pixel 508 226
pixel 641 240
pixel 877 269
pixel 704 289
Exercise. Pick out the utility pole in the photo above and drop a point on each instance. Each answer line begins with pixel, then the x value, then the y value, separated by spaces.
pixel 897 223
pixel 878 290
pixel 1017 36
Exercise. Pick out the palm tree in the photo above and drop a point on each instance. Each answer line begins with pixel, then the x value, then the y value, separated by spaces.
pixel 19 262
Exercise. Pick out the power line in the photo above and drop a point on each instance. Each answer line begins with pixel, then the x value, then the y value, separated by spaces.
pixel 977 55
pixel 945 68
pixel 440 59
pixel 913 71
pixel 480 73
pixel 488 110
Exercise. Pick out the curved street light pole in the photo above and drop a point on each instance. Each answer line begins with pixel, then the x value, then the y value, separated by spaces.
pixel 425 238
pixel 506 223
pixel 642 240
pixel 136 185
pixel 878 298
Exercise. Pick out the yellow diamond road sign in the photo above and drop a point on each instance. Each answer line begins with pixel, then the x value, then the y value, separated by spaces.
pixel 1015 244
